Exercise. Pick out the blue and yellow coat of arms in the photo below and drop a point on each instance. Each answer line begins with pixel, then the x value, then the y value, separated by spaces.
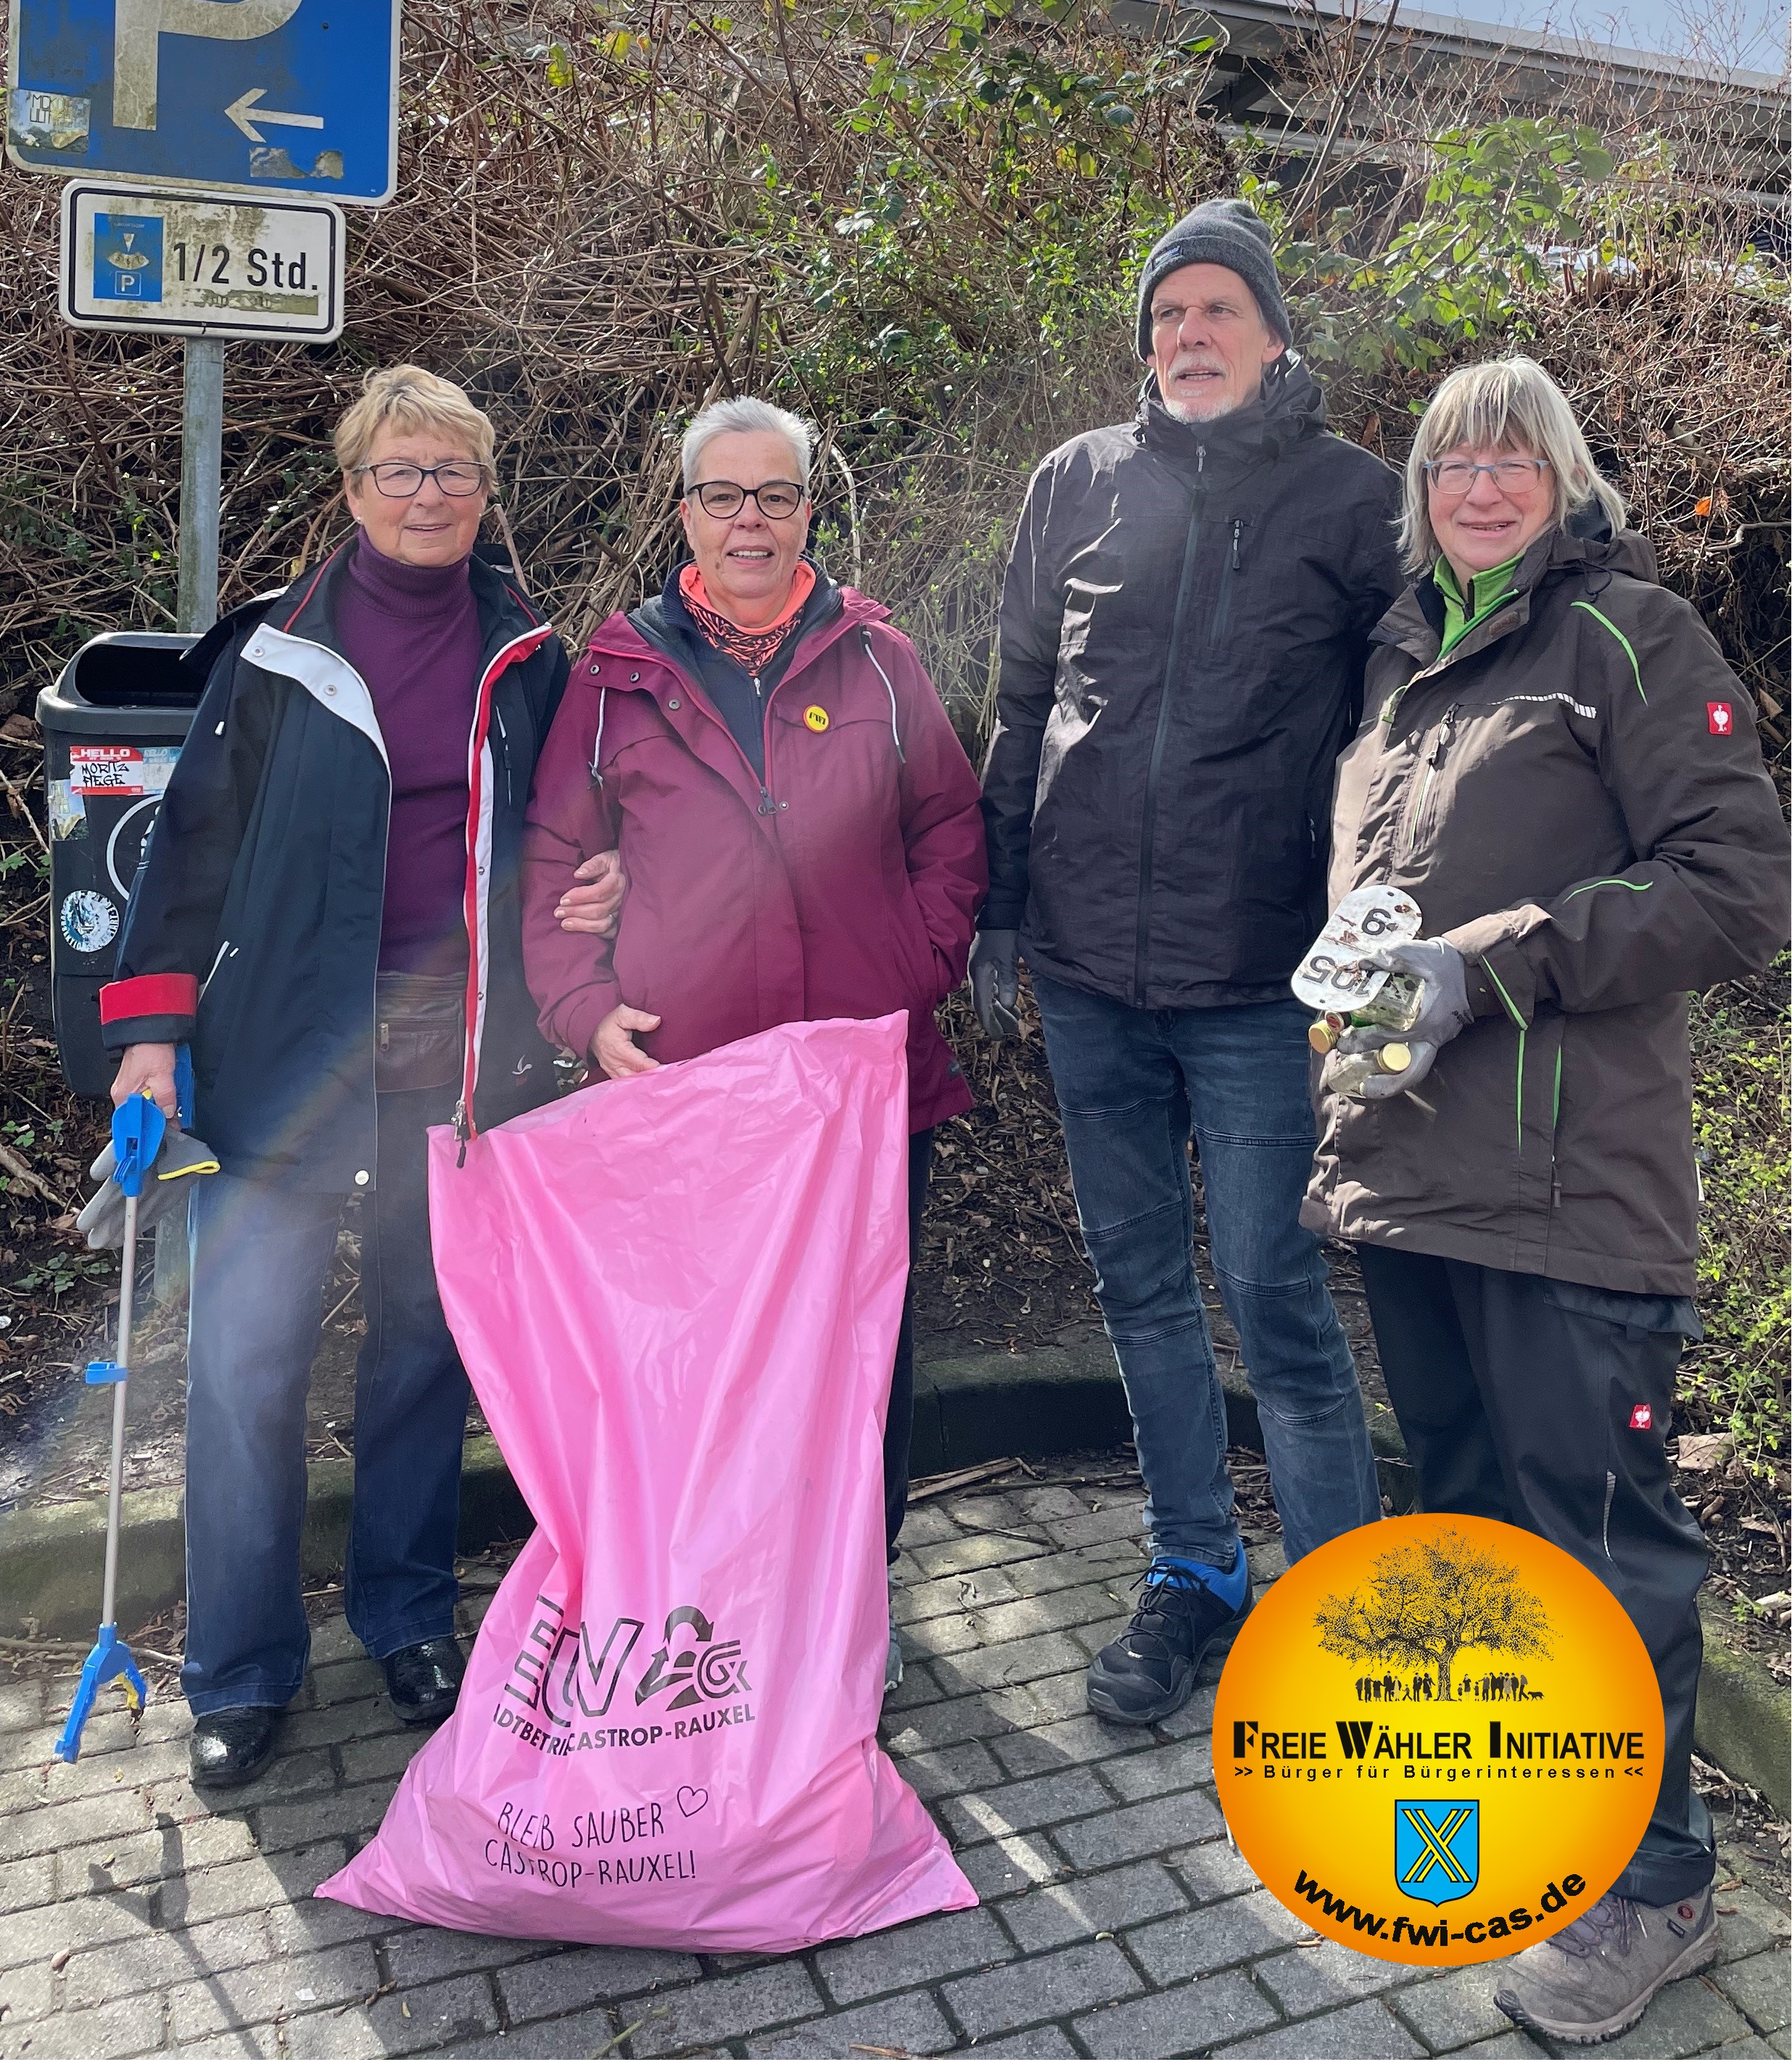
pixel 1437 1848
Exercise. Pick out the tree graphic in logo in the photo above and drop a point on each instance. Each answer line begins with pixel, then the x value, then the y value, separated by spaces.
pixel 1427 1601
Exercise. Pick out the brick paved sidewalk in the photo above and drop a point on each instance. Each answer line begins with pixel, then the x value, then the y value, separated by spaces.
pixel 1116 1921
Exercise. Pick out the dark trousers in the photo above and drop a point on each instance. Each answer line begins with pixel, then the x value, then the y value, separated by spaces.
pixel 899 1427
pixel 261 1257
pixel 1517 1398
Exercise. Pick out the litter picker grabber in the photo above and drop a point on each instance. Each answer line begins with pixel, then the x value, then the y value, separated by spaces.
pixel 137 1126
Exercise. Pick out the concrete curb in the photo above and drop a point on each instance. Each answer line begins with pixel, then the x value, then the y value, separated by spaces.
pixel 52 1557
pixel 976 1408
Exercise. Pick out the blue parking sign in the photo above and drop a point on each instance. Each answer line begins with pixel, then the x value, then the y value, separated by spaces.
pixel 250 96
pixel 127 257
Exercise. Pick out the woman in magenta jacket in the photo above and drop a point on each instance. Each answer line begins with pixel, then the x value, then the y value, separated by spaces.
pixel 797 820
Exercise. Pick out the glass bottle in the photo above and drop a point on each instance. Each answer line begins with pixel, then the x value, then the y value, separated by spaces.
pixel 1353 1073
pixel 1394 1007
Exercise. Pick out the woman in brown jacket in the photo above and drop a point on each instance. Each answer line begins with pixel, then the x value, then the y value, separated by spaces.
pixel 1559 767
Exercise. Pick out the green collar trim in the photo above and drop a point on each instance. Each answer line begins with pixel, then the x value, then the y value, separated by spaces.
pixel 1462 613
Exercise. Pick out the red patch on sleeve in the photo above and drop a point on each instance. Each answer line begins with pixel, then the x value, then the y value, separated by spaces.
pixel 1641 1417
pixel 149 995
pixel 1718 716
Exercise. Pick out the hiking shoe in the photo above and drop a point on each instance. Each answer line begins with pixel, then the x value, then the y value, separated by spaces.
pixel 1595 1978
pixel 1150 1670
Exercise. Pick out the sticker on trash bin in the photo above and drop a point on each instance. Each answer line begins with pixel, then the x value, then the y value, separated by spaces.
pixel 68 811
pixel 89 920
pixel 120 769
pixel 1438 1740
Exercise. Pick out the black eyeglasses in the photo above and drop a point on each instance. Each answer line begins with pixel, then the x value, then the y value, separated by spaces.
pixel 775 499
pixel 460 477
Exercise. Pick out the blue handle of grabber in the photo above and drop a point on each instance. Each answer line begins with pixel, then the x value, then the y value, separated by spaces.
pixel 184 1085
pixel 110 1657
pixel 138 1127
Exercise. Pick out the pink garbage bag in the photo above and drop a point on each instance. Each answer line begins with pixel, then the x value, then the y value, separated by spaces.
pixel 678 1299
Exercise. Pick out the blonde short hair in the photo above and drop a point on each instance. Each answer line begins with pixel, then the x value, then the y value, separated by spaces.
pixel 1511 404
pixel 412 400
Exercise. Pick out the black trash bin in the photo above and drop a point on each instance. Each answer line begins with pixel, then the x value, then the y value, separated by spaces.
pixel 113 727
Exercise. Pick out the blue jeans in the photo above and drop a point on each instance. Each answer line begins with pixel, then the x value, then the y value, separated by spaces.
pixel 261 1258
pixel 1131 1085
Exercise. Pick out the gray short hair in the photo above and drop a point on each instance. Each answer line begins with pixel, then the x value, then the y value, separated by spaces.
pixel 744 412
pixel 1511 403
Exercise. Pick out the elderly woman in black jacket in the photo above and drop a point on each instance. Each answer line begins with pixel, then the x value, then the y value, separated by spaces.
pixel 328 911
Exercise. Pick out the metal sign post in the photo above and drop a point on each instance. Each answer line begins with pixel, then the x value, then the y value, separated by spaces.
pixel 202 458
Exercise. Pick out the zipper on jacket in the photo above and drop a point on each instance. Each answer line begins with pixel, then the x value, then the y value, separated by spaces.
pixel 1605 1521
pixel 1433 760
pixel 1555 1126
pixel 767 802
pixel 497 717
pixel 1229 570
pixel 1154 769
pixel 767 806
pixel 224 951
pixel 491 674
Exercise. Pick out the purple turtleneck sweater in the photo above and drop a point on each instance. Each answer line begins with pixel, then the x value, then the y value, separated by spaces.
pixel 412 633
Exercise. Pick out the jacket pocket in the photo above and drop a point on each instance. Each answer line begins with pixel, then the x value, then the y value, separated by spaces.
pixel 419 1031
pixel 1076 627
pixel 1231 567
pixel 924 975
pixel 1624 1308
pixel 220 999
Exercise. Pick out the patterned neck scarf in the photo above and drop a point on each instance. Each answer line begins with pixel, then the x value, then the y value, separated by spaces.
pixel 752 650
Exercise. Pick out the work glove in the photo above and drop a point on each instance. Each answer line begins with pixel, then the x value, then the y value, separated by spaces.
pixel 996 982
pixel 181 1159
pixel 1444 1011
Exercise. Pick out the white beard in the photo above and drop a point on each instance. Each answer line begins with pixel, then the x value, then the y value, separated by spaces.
pixel 1191 412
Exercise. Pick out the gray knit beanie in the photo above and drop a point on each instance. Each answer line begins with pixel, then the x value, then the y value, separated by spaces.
pixel 1219 232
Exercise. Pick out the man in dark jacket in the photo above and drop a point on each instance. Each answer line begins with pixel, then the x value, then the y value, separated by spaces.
pixel 1183 634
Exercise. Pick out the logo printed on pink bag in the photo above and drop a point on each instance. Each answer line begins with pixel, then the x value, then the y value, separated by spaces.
pixel 560 1672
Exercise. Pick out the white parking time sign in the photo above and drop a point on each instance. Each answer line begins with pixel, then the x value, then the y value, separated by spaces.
pixel 185 264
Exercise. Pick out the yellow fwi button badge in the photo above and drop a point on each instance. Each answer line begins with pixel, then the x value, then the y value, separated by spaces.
pixel 815 716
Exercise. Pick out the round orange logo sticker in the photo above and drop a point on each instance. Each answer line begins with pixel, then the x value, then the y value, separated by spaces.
pixel 1438 1740
pixel 815 716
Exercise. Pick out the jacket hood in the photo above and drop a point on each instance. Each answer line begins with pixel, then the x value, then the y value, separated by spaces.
pixel 1289 405
pixel 1602 548
pixel 1582 545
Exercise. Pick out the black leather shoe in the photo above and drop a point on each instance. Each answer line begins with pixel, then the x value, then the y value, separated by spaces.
pixel 425 1680
pixel 230 1748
